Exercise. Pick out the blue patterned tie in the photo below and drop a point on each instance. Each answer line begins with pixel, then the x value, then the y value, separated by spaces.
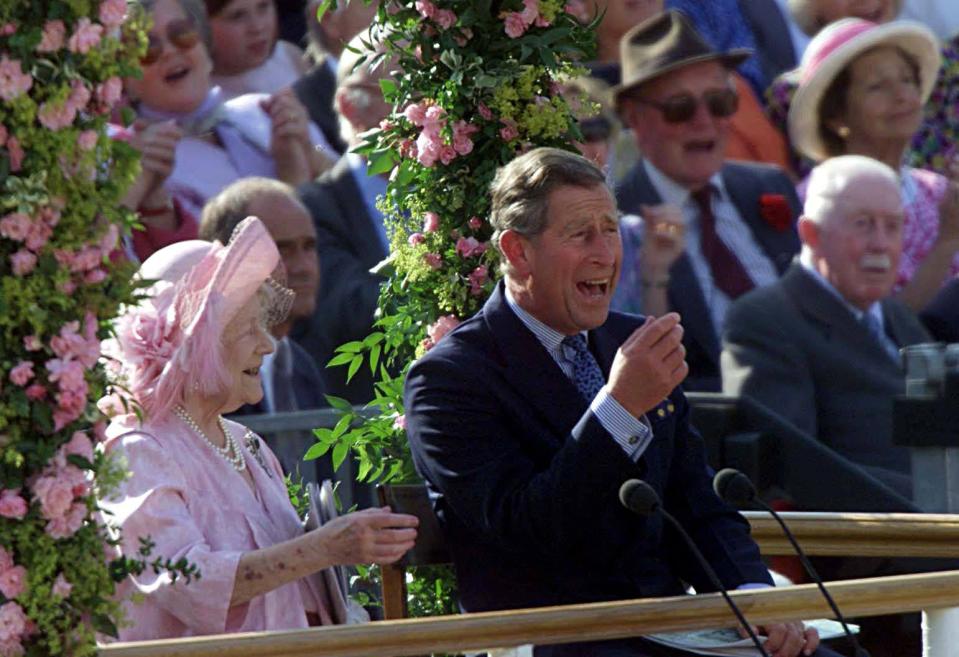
pixel 871 322
pixel 586 373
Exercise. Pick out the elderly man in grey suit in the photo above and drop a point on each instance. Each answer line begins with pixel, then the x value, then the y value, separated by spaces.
pixel 821 345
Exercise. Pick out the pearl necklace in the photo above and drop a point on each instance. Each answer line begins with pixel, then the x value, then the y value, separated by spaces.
pixel 236 460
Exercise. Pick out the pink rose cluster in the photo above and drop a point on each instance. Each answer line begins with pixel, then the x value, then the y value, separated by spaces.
pixel 112 13
pixel 32 232
pixel 12 504
pixel 517 22
pixel 61 488
pixel 470 247
pixel 85 37
pixel 444 18
pixel 477 279
pixel 14 150
pixel 438 330
pixel 430 145
pixel 59 115
pixel 87 263
pixel 13 578
pixel 13 81
pixel 15 626
pixel 75 353
pixel 53 37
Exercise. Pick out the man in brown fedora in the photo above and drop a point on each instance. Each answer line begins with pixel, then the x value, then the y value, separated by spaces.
pixel 711 230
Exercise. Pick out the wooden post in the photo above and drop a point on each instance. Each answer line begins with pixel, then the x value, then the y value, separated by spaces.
pixel 394 591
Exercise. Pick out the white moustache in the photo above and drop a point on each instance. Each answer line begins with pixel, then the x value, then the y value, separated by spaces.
pixel 875 261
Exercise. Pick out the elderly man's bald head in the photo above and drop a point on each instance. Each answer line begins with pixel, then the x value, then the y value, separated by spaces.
pixel 840 181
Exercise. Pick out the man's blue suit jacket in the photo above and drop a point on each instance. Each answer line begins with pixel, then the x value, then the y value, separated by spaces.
pixel 525 481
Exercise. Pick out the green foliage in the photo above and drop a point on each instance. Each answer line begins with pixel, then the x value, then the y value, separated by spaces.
pixel 502 94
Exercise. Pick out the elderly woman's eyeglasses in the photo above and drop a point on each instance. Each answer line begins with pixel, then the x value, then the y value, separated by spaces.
pixel 721 103
pixel 182 33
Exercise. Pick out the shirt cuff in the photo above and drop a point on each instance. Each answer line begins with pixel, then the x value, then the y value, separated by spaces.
pixel 631 433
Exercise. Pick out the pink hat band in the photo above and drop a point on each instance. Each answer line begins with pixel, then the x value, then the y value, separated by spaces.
pixel 841 35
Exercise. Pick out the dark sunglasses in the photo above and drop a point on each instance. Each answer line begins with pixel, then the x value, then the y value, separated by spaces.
pixel 181 33
pixel 721 103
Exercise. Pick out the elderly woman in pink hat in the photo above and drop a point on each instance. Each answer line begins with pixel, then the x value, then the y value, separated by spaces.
pixel 205 488
pixel 861 91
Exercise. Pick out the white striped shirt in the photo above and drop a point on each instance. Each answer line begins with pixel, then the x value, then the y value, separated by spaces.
pixel 731 229
pixel 631 433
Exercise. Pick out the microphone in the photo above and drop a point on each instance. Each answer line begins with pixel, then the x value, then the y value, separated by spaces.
pixel 734 487
pixel 640 498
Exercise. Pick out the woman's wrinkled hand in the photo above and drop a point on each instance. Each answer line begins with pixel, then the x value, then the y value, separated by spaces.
pixel 370 536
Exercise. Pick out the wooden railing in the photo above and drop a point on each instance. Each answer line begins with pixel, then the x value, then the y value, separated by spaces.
pixel 606 620
pixel 860 534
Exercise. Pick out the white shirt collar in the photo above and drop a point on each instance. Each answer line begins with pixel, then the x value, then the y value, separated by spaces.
pixel 671 191
pixel 875 309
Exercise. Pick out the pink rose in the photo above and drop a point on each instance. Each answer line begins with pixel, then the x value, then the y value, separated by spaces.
pixel 8 28
pixel 399 424
pixel 13 81
pixel 55 116
pixel 11 649
pixel 36 392
pixel 434 260
pixel 80 445
pixel 434 118
pixel 55 494
pixel 475 223
pixel 22 373
pixel 86 35
pixel 110 91
pixel 112 13
pixel 15 226
pixel 12 505
pixel 67 287
pixel 13 622
pixel 61 587
pixel 515 25
pixel 32 343
pixel 477 279
pixel 426 8
pixel 67 525
pixel 429 147
pixel 13 582
pixel 448 154
pixel 54 32
pixel 484 111
pixel 530 11
pixel 38 236
pixel 15 151
pixel 438 330
pixel 416 238
pixel 431 222
pixel 415 113
pixel 6 560
pixel 79 96
pixel 445 18
pixel 468 247
pixel 95 276
pixel 541 21
pixel 508 132
pixel 22 262
pixel 462 143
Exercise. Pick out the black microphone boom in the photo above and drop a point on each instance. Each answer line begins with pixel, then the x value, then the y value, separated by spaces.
pixel 642 499
pixel 737 489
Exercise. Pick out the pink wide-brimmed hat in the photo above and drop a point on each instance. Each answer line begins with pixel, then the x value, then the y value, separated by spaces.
pixel 835 48
pixel 169 343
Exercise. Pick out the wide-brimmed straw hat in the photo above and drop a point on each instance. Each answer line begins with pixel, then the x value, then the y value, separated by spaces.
pixel 835 48
pixel 170 343
pixel 664 43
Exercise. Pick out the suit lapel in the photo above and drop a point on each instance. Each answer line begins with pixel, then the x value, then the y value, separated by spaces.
pixel 778 246
pixel 365 234
pixel 535 376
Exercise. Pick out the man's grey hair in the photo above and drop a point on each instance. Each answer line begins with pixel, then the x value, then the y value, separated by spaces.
pixel 226 210
pixel 831 179
pixel 520 191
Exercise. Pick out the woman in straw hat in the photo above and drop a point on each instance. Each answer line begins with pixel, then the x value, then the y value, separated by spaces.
pixel 861 91
pixel 207 489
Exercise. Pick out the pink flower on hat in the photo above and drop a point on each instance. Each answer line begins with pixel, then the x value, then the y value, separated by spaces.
pixel 54 33
pixel 12 505
pixel 86 36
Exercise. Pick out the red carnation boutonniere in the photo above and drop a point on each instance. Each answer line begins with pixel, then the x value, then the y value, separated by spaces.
pixel 775 211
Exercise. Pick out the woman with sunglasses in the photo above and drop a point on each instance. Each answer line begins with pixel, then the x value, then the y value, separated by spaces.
pixel 194 141
pixel 205 488
pixel 862 89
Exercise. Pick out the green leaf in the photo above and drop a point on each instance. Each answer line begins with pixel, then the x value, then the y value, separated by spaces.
pixel 354 367
pixel 340 359
pixel 350 347
pixel 342 425
pixel 102 623
pixel 316 450
pixel 373 338
pixel 322 9
pixel 339 403
pixel 388 87
pixel 381 162
pixel 339 454
pixel 374 358
pixel 80 462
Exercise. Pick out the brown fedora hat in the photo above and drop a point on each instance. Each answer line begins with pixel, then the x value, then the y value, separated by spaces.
pixel 664 43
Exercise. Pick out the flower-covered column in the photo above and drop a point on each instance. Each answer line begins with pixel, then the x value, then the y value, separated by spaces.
pixel 478 83
pixel 62 276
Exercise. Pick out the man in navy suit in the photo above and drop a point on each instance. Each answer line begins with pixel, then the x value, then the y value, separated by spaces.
pixel 711 230
pixel 527 418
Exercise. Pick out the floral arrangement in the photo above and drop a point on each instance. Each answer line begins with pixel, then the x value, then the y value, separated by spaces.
pixel 480 83
pixel 62 277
